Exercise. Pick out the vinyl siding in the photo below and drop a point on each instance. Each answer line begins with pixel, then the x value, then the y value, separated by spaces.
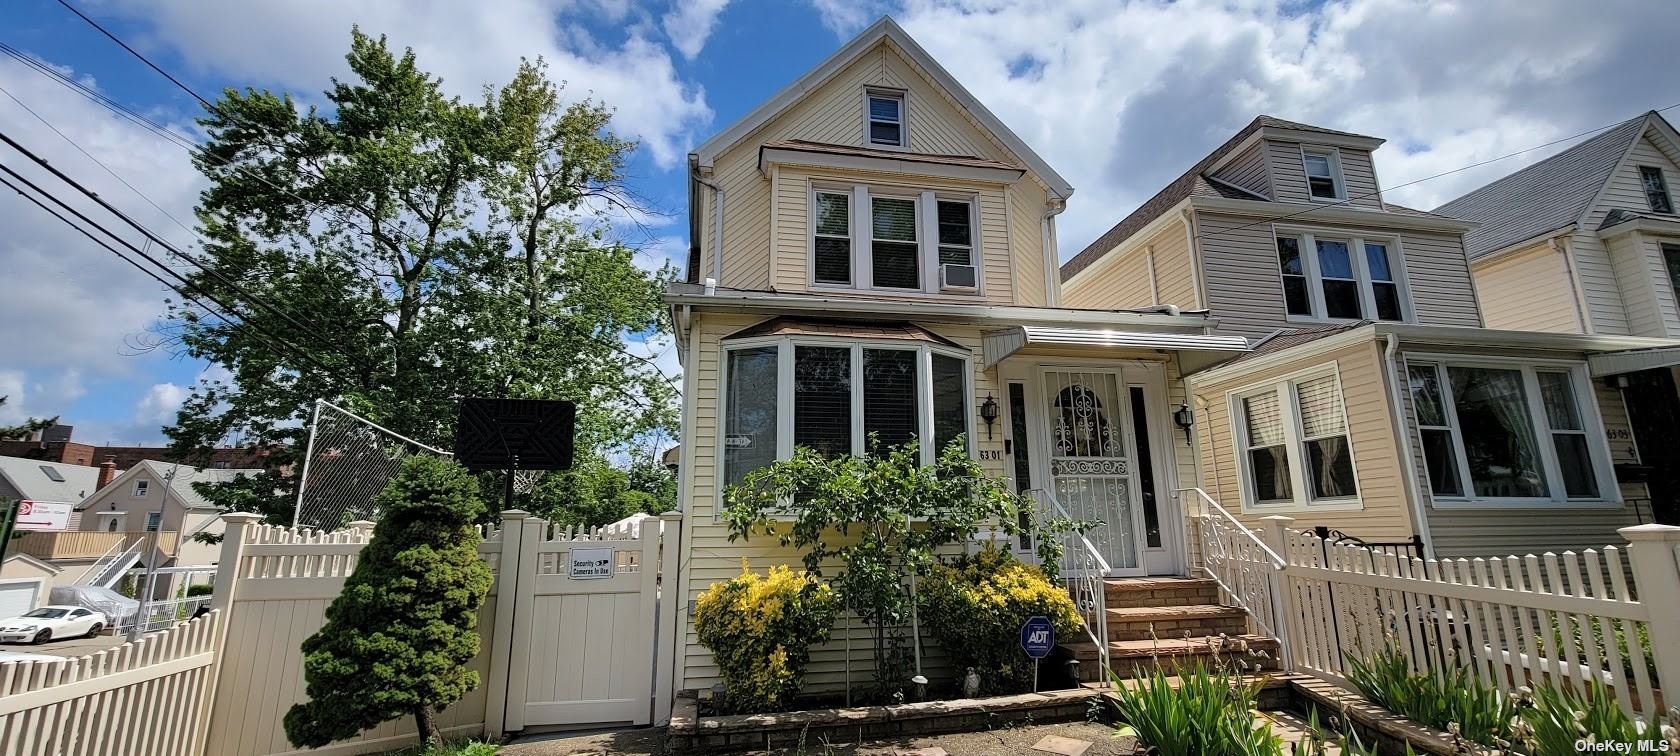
pixel 1249 170
pixel 709 554
pixel 1385 515
pixel 792 231
pixel 1289 175
pixel 1647 310
pixel 1245 288
pixel 1024 212
pixel 1503 531
pixel 1528 290
pixel 1601 280
pixel 833 114
pixel 1125 280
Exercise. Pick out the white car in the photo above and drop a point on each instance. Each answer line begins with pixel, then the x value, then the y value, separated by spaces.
pixel 51 623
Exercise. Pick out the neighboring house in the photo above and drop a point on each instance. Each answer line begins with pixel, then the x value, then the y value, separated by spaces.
pixel 159 497
pixel 36 480
pixel 25 583
pixel 887 266
pixel 1373 401
pixel 1587 241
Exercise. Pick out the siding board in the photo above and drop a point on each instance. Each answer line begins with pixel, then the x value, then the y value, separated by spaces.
pixel 1528 290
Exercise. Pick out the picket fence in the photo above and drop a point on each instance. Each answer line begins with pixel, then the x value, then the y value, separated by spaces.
pixel 145 698
pixel 1560 620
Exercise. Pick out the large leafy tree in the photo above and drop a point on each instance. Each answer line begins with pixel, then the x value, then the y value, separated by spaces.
pixel 409 249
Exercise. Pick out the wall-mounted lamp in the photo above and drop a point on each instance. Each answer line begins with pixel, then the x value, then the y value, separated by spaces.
pixel 1185 419
pixel 989 413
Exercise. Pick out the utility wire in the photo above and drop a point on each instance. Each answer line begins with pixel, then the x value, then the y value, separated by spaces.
pixel 136 53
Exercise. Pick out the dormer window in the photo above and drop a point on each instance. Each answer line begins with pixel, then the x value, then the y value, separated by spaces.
pixel 1656 189
pixel 886 119
pixel 1324 180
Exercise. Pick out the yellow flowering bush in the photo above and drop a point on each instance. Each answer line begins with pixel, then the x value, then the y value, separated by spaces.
pixel 760 629
pixel 975 606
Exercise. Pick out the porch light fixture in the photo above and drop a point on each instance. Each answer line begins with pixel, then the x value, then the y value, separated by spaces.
pixel 989 413
pixel 1185 419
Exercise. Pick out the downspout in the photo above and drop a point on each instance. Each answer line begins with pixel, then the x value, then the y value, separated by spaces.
pixel 1052 260
pixel 1195 252
pixel 1403 437
pixel 1575 293
pixel 718 196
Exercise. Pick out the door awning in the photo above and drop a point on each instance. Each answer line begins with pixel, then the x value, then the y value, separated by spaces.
pixel 998 345
pixel 1632 361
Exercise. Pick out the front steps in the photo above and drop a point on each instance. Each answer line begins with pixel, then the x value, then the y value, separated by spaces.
pixel 1168 623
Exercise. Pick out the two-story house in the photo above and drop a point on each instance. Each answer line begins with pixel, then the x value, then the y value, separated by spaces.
pixel 1373 401
pixel 1587 241
pixel 873 253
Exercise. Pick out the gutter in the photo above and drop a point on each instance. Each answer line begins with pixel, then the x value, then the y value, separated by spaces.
pixel 1047 240
pixel 1576 293
pixel 718 197
pixel 720 299
pixel 1403 440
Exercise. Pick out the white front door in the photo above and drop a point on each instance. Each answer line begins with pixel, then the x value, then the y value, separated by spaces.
pixel 1091 460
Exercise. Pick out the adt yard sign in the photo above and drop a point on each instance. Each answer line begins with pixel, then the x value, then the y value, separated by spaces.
pixel 1038 636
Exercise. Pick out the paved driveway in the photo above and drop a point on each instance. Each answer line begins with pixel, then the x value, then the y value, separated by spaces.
pixel 68 647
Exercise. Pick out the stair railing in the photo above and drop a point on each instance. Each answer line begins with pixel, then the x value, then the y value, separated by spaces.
pixel 111 571
pixel 1250 573
pixel 102 562
pixel 1083 570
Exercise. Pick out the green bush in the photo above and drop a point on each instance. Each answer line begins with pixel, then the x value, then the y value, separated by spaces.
pixel 975 606
pixel 760 629
pixel 1453 701
pixel 1208 712
pixel 200 589
pixel 1553 721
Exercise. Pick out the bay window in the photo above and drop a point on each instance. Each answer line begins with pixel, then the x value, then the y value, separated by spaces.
pixel 832 395
pixel 1341 276
pixel 1293 444
pixel 1502 432
pixel 891 239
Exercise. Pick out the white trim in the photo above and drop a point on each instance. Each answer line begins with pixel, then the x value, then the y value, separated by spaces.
pixel 1295 442
pixel 1307 238
pixel 886 93
pixel 925 307
pixel 1645 224
pixel 1586 404
pixel 1329 213
pixel 771 157
pixel 1352 141
pixel 861 238
pixel 1338 182
pixel 884 29
pixel 1509 250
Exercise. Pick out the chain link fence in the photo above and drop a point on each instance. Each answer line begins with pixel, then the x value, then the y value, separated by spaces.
pixel 348 461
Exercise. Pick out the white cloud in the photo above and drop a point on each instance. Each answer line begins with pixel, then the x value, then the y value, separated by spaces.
pixel 848 17
pixel 300 45
pixel 159 404
pixel 690 23
pixel 37 397
pixel 1123 98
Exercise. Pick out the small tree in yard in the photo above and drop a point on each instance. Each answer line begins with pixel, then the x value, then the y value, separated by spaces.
pixel 398 639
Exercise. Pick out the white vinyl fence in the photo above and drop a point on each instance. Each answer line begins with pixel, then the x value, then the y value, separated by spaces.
pixel 146 698
pixel 1559 620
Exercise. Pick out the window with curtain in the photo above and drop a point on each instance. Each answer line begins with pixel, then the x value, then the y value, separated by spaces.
pixel 749 425
pixel 1656 189
pixel 893 243
pixel 822 399
pixel 1341 278
pixel 1294 443
pixel 831 244
pixel 1440 455
pixel 1341 284
pixel 1500 448
pixel 1295 295
pixel 950 397
pixel 1569 434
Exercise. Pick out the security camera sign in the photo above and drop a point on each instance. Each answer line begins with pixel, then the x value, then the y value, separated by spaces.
pixel 591 564
pixel 43 515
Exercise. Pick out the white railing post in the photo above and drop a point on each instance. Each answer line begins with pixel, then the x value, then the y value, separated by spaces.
pixel 671 605
pixel 1656 575
pixel 233 553
pixel 1276 533
pixel 508 570
pixel 362 528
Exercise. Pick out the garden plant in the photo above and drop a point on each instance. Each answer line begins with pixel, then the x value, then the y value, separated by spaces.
pixel 974 605
pixel 760 629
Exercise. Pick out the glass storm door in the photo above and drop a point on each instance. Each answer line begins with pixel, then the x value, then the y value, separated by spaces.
pixel 1091 461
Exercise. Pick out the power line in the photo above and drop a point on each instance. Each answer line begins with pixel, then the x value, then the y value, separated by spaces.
pixel 136 53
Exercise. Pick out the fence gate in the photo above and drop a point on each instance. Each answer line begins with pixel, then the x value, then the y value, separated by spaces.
pixel 580 630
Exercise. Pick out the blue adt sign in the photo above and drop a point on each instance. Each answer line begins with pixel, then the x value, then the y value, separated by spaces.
pixel 1038 636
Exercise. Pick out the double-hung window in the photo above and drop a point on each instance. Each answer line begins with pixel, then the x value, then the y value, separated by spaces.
pixel 894 240
pixel 1292 438
pixel 1656 189
pixel 1506 432
pixel 885 118
pixel 1331 276
pixel 835 396
pixel 140 488
pixel 1324 175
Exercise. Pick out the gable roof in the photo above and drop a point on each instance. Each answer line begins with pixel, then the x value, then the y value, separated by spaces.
pixel 889 30
pixel 1191 183
pixel 1545 196
pixel 180 479
pixel 31 480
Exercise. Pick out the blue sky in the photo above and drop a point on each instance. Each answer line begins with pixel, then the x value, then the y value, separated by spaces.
pixel 1120 97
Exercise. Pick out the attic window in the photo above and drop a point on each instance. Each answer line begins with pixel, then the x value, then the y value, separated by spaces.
pixel 886 118
pixel 52 473
pixel 1656 189
pixel 1323 181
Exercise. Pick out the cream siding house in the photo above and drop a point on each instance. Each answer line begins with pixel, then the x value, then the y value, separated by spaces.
pixel 887 266
pixel 1587 242
pixel 1356 306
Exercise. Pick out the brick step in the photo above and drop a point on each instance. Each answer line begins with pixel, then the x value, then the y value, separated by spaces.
pixel 1143 622
pixel 1156 591
pixel 1131 658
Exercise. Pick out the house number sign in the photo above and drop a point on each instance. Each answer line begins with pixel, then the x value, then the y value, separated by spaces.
pixel 591 564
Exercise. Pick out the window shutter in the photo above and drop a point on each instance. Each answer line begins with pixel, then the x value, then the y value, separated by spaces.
pixel 1265 419
pixel 1321 407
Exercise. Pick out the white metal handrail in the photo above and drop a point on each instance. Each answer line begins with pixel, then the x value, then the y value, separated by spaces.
pixel 1248 571
pixel 100 563
pixel 1083 569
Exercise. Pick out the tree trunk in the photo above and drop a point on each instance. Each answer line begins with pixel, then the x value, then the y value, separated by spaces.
pixel 425 720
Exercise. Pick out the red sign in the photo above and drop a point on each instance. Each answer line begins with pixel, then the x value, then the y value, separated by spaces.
pixel 44 515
